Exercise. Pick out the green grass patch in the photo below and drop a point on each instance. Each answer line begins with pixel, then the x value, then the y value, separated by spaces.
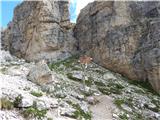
pixel 33 112
pixel 87 93
pixel 145 85
pixel 3 70
pixel 37 94
pixel 49 119
pixel 87 82
pixel 104 90
pixel 119 102
pixel 99 71
pixel 115 85
pixel 67 63
pixel 107 90
pixel 76 68
pixel 139 90
pixel 79 113
pixel 138 116
pixel 129 102
pixel 123 116
pixel 100 84
pixel 110 88
pixel 70 76
pixel 6 104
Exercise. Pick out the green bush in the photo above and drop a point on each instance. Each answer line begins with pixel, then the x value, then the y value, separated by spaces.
pixel 37 94
pixel 17 101
pixel 119 102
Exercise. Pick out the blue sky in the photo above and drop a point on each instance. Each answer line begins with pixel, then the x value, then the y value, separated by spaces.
pixel 7 9
pixel 72 9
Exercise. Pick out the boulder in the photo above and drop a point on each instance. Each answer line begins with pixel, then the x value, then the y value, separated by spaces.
pixel 123 37
pixel 40 73
pixel 26 102
pixel 40 30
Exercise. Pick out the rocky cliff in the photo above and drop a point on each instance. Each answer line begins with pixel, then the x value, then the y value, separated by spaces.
pixel 123 37
pixel 40 30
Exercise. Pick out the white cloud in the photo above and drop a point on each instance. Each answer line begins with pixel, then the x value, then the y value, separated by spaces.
pixel 81 4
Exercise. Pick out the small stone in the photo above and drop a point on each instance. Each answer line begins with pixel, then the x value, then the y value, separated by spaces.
pixel 60 94
pixel 41 105
pixel 109 76
pixel 151 106
pixel 157 116
pixel 78 75
pixel 127 115
pixel 125 107
pixel 48 102
pixel 69 112
pixel 92 100
pixel 115 115
pixel 26 102
pixel 84 106
pixel 78 96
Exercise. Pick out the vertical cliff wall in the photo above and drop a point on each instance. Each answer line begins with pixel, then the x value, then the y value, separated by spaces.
pixel 40 30
pixel 123 37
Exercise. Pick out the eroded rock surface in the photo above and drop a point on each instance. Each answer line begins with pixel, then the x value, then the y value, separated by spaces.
pixel 124 37
pixel 40 30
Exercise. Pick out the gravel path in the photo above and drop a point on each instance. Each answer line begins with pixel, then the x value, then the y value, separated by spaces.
pixel 103 109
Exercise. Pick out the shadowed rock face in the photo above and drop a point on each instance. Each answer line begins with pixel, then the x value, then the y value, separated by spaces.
pixel 123 37
pixel 40 30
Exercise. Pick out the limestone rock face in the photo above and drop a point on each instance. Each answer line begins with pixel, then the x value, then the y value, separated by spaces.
pixel 40 30
pixel 123 37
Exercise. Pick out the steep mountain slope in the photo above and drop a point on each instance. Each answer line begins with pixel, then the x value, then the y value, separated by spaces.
pixel 108 95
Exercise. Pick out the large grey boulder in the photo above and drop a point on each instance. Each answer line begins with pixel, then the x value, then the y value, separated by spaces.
pixel 123 37
pixel 40 73
pixel 40 30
